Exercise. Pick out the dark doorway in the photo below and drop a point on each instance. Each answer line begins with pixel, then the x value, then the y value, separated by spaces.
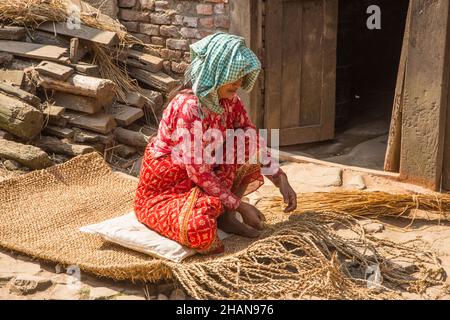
pixel 366 73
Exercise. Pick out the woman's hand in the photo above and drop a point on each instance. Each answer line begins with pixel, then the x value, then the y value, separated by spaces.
pixel 289 195
pixel 251 215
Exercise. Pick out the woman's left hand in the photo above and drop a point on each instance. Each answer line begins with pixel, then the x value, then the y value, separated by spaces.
pixel 289 195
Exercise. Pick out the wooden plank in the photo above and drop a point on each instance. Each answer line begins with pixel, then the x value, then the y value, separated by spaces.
pixel 53 111
pixel 19 118
pixel 273 60
pixel 87 69
pixel 33 50
pixel 12 33
pixel 158 80
pixel 392 158
pixel 54 70
pixel 125 115
pixel 73 51
pixel 144 61
pixel 134 99
pixel 42 37
pixel 78 103
pixel 19 93
pixel 86 136
pixel 99 122
pixel 107 38
pixel 292 63
pixel 14 77
pixel 59 132
pixel 131 138
pixel 311 101
pixel 426 89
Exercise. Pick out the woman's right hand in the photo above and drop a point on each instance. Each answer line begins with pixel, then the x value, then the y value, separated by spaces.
pixel 251 215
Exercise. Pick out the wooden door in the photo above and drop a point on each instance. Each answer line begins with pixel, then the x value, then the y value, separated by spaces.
pixel 300 69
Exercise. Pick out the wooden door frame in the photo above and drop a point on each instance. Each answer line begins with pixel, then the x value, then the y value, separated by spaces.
pixel 246 21
pixel 273 79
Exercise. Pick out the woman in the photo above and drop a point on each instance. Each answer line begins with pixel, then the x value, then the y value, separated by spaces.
pixel 184 197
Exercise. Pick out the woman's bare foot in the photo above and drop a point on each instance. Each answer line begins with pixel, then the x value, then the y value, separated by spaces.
pixel 228 223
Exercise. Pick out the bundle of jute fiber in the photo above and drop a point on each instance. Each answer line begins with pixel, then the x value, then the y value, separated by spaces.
pixel 297 256
pixel 368 204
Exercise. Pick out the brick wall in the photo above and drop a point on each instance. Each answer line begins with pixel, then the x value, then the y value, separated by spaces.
pixel 171 26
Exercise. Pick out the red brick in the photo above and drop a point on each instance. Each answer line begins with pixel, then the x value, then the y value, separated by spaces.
pixel 143 37
pixel 150 29
pixel 207 22
pixel 158 41
pixel 147 4
pixel 170 31
pixel 205 33
pixel 132 15
pixel 160 18
pixel 175 54
pixel 189 33
pixel 177 20
pixel 219 8
pixel 217 1
pixel 127 3
pixel 164 53
pixel 161 5
pixel 179 67
pixel 190 22
pixel 132 26
pixel 187 57
pixel 177 44
pixel 205 9
pixel 222 22
pixel 167 67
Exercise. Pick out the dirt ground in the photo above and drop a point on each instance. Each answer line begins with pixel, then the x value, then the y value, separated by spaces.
pixel 363 145
pixel 23 278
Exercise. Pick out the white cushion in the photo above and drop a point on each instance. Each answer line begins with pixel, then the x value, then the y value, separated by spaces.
pixel 128 232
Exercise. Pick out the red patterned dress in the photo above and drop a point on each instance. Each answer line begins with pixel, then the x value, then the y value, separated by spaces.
pixel 182 200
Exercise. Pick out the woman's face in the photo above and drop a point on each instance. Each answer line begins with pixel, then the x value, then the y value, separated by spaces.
pixel 228 90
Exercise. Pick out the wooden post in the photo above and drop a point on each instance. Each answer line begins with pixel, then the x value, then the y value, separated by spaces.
pixel 73 51
pixel 425 99
pixel 246 21
pixel 392 158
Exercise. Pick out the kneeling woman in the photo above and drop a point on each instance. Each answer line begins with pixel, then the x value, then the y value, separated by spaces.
pixel 188 200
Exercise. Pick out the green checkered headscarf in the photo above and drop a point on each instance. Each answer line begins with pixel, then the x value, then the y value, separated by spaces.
pixel 219 59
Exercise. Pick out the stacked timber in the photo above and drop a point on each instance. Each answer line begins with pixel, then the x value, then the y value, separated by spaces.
pixel 54 103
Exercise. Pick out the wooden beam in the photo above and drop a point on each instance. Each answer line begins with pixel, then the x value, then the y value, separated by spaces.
pixel 107 38
pixel 426 89
pixel 12 33
pixel 19 118
pixel 102 89
pixel 27 155
pixel 19 93
pixel 158 80
pixel 54 70
pixel 392 158
pixel 34 50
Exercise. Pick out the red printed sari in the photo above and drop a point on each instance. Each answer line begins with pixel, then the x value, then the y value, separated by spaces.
pixel 183 201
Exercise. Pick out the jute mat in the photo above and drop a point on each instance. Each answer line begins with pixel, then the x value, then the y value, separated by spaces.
pixel 298 256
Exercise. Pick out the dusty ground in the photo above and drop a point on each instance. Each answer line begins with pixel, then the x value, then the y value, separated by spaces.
pixel 47 281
